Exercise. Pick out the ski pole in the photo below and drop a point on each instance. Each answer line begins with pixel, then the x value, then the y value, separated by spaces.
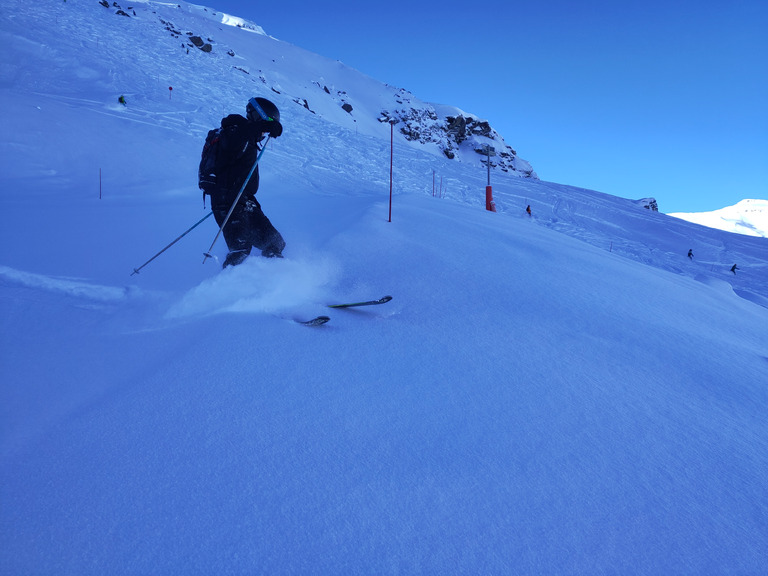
pixel 136 270
pixel 208 254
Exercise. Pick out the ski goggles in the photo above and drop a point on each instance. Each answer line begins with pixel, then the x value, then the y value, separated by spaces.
pixel 259 110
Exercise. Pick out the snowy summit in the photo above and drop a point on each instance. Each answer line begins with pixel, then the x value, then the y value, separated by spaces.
pixel 748 217
pixel 560 392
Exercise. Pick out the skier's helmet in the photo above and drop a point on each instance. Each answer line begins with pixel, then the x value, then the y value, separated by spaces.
pixel 261 109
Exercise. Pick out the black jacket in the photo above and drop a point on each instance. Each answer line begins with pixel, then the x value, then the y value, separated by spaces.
pixel 239 148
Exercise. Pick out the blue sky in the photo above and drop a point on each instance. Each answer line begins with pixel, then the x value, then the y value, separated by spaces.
pixel 657 98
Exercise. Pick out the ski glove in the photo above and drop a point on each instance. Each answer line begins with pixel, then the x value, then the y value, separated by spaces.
pixel 274 128
pixel 271 127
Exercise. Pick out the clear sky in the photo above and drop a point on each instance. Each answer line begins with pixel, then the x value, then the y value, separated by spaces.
pixel 662 98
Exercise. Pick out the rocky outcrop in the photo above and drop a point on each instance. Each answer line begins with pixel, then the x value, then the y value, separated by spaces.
pixel 200 43
pixel 648 204
pixel 452 133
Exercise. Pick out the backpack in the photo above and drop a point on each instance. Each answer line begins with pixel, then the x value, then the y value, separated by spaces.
pixel 217 158
pixel 209 162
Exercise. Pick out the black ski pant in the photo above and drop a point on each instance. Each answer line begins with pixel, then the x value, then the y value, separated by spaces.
pixel 248 227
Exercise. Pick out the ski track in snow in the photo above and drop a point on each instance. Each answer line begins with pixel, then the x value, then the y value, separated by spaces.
pixel 68 286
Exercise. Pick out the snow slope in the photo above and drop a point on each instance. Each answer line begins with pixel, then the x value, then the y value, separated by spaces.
pixel 566 393
pixel 748 217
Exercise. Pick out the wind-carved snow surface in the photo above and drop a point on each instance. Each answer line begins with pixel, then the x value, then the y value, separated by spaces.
pixel 560 393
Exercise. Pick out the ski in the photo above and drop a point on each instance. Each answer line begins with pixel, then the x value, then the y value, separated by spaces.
pixel 383 300
pixel 319 321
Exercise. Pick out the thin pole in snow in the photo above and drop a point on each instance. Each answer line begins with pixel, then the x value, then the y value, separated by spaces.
pixel 488 163
pixel 489 203
pixel 391 163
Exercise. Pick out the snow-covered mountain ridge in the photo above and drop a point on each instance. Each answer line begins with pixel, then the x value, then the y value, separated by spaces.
pixel 748 217
pixel 454 133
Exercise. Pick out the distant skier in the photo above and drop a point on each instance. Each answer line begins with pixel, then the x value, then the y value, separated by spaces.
pixel 690 254
pixel 528 210
pixel 237 147
pixel 122 100
pixel 734 268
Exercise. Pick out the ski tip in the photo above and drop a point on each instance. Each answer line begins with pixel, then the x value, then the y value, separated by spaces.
pixel 383 300
pixel 319 321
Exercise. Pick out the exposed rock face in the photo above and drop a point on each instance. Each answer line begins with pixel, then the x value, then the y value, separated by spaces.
pixel 649 204
pixel 199 43
pixel 451 133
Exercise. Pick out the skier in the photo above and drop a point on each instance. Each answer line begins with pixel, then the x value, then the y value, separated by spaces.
pixel 690 254
pixel 528 209
pixel 237 151
pixel 733 269
pixel 122 100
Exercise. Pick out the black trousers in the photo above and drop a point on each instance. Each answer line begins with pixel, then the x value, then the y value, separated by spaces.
pixel 248 227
